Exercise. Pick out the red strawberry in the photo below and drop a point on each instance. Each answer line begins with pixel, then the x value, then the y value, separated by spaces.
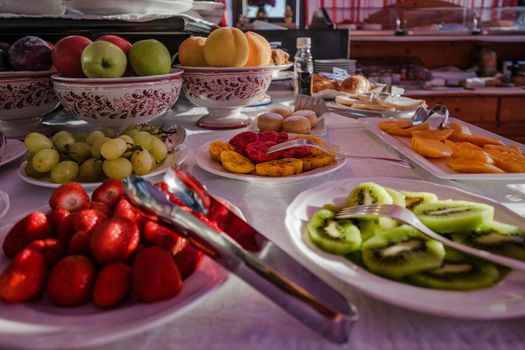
pixel 114 240
pixel 87 219
pixel 125 209
pixel 24 278
pixel 113 285
pixel 71 280
pixel 152 231
pixel 51 249
pixel 109 192
pixel 188 260
pixel 155 275
pixel 240 140
pixel 32 227
pixel 256 151
pixel 70 196
pixel 172 243
pixel 102 207
pixel 296 152
pixel 57 217
pixel 66 230
pixel 79 243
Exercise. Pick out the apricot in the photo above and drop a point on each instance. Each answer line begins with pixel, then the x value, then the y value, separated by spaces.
pixel 259 50
pixel 477 140
pixel 226 47
pixel 430 148
pixel 467 150
pixel 439 135
pixel 472 166
pixel 191 52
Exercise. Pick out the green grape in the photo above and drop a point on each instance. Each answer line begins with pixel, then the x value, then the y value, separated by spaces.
pixel 80 151
pixel 65 171
pixel 117 168
pixel 127 139
pixel 109 132
pixel 31 172
pixel 81 137
pixel 94 136
pixel 158 150
pixel 35 142
pixel 143 139
pixel 142 162
pixel 130 132
pixel 45 159
pixel 95 148
pixel 90 170
pixel 62 140
pixel 113 148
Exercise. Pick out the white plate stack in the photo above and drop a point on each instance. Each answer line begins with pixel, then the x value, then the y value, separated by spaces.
pixel 135 7
pixel 326 66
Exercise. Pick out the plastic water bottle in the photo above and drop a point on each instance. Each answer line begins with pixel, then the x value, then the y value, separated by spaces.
pixel 303 67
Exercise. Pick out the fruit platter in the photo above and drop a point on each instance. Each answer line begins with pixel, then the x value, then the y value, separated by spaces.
pixel 461 151
pixel 101 154
pixel 244 157
pixel 91 266
pixel 364 253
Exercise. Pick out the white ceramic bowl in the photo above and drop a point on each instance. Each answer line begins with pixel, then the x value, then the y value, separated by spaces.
pixel 24 98
pixel 223 91
pixel 118 102
pixel 32 7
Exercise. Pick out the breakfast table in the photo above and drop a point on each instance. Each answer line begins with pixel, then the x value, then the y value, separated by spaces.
pixel 236 316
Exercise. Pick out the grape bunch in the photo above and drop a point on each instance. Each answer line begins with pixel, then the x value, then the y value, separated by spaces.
pixel 95 156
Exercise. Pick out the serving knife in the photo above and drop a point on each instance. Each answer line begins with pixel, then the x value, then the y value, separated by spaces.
pixel 242 250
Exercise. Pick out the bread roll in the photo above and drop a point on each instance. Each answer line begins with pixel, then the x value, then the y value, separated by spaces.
pixel 355 85
pixel 323 85
pixel 312 117
pixel 279 57
pixel 270 121
pixel 285 112
pixel 297 124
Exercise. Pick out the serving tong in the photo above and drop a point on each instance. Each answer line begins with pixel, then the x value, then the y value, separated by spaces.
pixel 239 248
pixel 422 115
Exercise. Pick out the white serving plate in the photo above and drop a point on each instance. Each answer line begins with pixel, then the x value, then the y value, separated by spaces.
pixel 203 160
pixel 504 300
pixel 117 7
pixel 181 153
pixel 339 108
pixel 438 167
pixel 14 149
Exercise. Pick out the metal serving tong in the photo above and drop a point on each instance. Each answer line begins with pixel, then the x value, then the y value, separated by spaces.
pixel 239 248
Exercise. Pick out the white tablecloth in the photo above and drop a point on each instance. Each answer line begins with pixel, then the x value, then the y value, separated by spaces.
pixel 238 317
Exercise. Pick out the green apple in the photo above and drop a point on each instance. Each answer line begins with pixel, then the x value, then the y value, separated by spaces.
pixel 102 59
pixel 149 57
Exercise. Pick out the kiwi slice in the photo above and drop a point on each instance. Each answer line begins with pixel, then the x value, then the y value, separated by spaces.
pixel 368 228
pixel 332 207
pixel 455 216
pixel 401 251
pixel 500 238
pixel 333 236
pixel 398 198
pixel 413 199
pixel 458 272
pixel 368 193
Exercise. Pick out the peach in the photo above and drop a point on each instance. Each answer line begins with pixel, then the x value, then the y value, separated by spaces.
pixel 260 52
pixel 226 47
pixel 191 52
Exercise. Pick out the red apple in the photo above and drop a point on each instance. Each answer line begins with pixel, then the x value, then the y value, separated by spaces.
pixel 66 55
pixel 117 40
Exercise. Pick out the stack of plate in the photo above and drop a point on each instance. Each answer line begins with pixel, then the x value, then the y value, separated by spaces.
pixel 135 7
pixel 326 66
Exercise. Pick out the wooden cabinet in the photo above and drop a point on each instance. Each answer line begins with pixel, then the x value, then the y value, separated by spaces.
pixel 512 109
pixel 469 109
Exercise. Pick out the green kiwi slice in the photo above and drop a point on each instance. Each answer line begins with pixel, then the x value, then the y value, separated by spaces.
pixel 398 198
pixel 413 199
pixel 458 272
pixel 500 238
pixel 455 216
pixel 401 251
pixel 368 193
pixel 338 237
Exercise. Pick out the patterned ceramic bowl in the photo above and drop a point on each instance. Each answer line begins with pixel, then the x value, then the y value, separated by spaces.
pixel 24 98
pixel 118 102
pixel 223 91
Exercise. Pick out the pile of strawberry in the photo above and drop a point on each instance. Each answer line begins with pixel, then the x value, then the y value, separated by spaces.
pixel 255 144
pixel 99 249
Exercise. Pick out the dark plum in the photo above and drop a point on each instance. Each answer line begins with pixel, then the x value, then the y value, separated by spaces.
pixel 30 53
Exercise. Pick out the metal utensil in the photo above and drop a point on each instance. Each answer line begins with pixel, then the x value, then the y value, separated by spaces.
pixel 331 149
pixel 266 267
pixel 422 115
pixel 406 216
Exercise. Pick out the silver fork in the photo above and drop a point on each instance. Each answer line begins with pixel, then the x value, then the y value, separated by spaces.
pixel 331 149
pixel 406 216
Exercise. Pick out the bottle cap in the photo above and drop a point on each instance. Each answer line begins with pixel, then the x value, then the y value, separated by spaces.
pixel 304 42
